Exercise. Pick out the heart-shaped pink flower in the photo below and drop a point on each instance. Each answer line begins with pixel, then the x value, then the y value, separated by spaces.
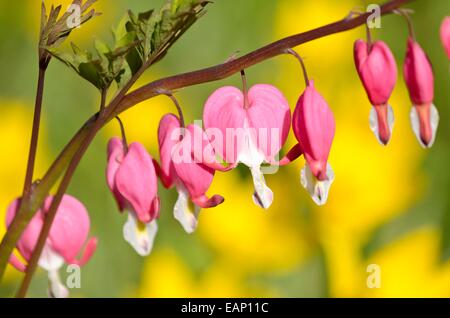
pixel 68 235
pixel 419 80
pixel 314 126
pixel 184 154
pixel 251 134
pixel 377 70
pixel 132 179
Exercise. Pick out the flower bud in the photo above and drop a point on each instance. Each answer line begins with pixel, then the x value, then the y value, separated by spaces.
pixel 378 72
pixel 314 126
pixel 419 79
pixel 132 179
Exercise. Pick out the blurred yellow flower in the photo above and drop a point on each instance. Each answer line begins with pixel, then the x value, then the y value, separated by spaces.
pixel 248 237
pixel 410 268
pixel 166 275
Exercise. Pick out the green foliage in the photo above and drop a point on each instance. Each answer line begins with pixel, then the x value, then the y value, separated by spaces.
pixel 55 30
pixel 100 68
pixel 140 40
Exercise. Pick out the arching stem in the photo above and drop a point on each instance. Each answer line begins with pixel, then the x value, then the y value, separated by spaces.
pixel 124 136
pixel 408 19
pixel 298 57
pixel 369 39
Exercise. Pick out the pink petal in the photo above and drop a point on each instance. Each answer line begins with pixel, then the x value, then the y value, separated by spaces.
pixel 14 261
pixel 293 154
pixel 270 115
pixel 381 122
pixel 136 181
pixel 224 111
pixel 195 176
pixel 115 158
pixel 205 202
pixel 89 250
pixel 314 127
pixel 424 121
pixel 168 137
pixel 28 240
pixel 445 35
pixel 418 74
pixel 377 70
pixel 70 228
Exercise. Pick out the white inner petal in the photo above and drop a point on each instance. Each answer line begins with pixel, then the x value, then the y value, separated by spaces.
pixel 373 122
pixel 253 158
pixel 318 190
pixel 50 260
pixel 415 124
pixel 56 289
pixel 140 235
pixel 262 196
pixel 185 211
pixel 249 154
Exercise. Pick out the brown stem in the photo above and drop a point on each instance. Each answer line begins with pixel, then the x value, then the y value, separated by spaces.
pixel 407 17
pixel 302 63
pixel 50 215
pixel 225 70
pixel 124 136
pixel 103 93
pixel 35 132
pixel 71 153
pixel 177 105
pixel 369 39
pixel 53 209
pixel 244 89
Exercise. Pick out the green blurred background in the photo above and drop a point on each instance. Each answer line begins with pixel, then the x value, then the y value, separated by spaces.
pixel 388 206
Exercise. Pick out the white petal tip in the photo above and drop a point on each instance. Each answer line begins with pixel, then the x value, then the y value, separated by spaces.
pixel 263 196
pixel 186 212
pixel 415 124
pixel 56 289
pixel 374 126
pixel 140 235
pixel 318 190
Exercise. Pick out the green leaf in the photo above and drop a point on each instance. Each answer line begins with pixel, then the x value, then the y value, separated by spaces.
pixel 91 71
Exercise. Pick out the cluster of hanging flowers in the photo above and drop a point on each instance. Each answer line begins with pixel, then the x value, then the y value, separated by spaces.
pixel 248 127
pixel 377 70
pixel 240 126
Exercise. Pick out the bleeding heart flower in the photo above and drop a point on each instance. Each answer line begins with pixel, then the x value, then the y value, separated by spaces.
pixel 250 133
pixel 184 155
pixel 445 35
pixel 314 127
pixel 132 179
pixel 65 241
pixel 419 79
pixel 378 72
